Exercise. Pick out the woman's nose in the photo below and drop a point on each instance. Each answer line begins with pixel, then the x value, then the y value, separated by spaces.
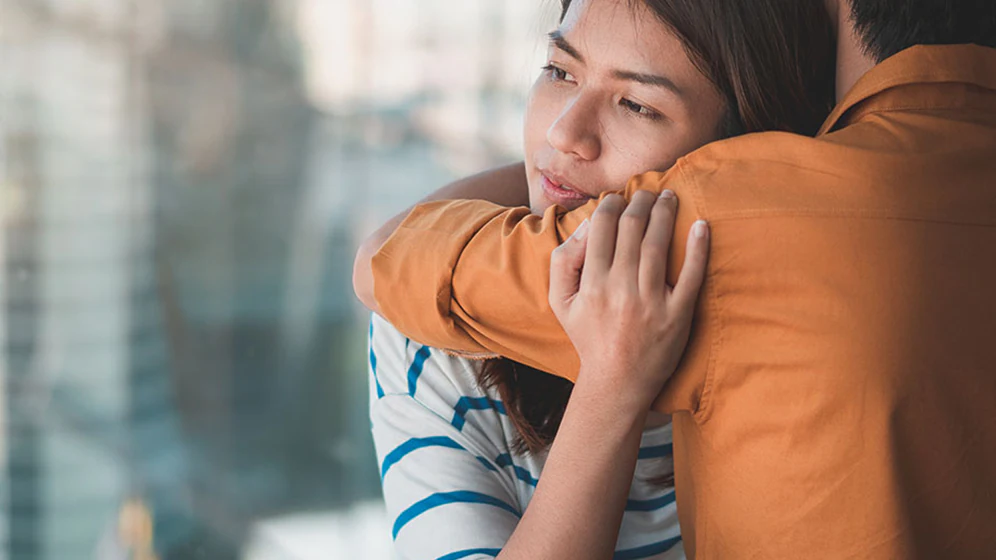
pixel 576 129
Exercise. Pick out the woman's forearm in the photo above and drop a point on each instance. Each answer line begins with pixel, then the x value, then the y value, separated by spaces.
pixel 505 186
pixel 578 505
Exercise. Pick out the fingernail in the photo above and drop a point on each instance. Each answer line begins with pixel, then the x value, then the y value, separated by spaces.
pixel 582 231
pixel 667 194
pixel 700 229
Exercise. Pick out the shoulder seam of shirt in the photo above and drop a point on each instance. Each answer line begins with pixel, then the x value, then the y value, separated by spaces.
pixel 856 214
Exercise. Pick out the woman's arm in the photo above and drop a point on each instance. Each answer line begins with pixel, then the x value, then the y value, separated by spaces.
pixel 579 502
pixel 630 328
pixel 631 340
pixel 471 276
pixel 505 186
pixel 447 492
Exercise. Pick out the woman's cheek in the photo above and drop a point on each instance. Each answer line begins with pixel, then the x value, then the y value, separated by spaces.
pixel 541 110
pixel 632 144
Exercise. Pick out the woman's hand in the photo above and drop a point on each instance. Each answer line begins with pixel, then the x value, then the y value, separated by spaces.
pixel 608 289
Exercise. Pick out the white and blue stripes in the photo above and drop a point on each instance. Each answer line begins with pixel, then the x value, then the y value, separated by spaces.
pixel 373 364
pixel 444 498
pixel 452 485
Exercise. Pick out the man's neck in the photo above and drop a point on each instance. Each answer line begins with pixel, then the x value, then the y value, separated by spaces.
pixel 852 61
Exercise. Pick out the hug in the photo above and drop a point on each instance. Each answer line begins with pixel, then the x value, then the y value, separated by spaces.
pixel 736 302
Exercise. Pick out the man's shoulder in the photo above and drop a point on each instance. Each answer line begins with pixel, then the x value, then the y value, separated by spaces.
pixel 760 173
pixel 773 146
pixel 753 157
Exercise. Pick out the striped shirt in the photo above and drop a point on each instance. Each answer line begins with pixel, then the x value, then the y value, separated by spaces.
pixel 454 488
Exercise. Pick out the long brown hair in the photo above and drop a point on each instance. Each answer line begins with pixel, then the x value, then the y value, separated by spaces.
pixel 773 61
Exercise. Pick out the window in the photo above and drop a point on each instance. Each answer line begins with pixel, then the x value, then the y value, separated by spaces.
pixel 183 185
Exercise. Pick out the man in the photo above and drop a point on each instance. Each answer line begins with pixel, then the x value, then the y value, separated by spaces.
pixel 838 397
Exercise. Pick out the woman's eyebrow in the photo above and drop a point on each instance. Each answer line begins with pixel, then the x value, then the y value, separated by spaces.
pixel 558 40
pixel 648 79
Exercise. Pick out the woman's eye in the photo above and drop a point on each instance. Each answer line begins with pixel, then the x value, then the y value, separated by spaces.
pixel 640 110
pixel 558 74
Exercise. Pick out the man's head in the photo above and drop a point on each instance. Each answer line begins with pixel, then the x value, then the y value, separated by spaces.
pixel 886 27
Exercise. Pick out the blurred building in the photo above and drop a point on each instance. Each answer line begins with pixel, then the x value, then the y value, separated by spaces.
pixel 434 87
pixel 83 359
pixel 182 186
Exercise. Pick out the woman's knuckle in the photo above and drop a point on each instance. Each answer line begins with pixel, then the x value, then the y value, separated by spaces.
pixel 663 208
pixel 628 302
pixel 594 292
pixel 615 199
pixel 654 249
pixel 602 218
pixel 633 224
pixel 613 205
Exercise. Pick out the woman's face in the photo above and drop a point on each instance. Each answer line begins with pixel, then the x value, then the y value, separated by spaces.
pixel 618 97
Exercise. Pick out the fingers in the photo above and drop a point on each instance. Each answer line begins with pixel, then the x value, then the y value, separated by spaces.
pixel 602 237
pixel 657 244
pixel 632 228
pixel 694 269
pixel 566 263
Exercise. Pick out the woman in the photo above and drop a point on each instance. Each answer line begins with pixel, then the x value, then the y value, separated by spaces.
pixel 630 86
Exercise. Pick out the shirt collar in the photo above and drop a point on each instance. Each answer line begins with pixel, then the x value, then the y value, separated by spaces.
pixel 921 64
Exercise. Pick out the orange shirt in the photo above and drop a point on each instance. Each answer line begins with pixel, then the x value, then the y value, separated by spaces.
pixel 838 395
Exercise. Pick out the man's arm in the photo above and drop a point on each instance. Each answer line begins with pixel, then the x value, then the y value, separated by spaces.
pixel 473 277
pixel 503 186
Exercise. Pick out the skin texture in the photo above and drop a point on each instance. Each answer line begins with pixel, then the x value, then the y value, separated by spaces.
pixel 852 61
pixel 591 125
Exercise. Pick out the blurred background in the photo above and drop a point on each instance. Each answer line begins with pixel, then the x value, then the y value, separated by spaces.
pixel 183 184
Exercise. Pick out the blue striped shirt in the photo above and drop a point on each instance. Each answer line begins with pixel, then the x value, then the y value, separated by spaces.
pixel 454 488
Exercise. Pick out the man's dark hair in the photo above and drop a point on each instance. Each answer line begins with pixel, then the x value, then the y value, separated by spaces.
pixel 889 26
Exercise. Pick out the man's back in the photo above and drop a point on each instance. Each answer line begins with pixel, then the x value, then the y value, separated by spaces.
pixel 838 395
pixel 847 405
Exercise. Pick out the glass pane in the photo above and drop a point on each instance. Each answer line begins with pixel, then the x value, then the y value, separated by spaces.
pixel 183 184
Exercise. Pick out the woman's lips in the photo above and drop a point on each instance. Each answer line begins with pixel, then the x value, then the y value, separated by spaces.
pixel 560 193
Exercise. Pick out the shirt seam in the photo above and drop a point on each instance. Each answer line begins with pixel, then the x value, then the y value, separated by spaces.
pixel 885 83
pixel 702 409
pixel 857 113
pixel 840 214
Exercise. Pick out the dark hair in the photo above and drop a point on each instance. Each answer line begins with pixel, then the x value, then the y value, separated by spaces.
pixel 889 26
pixel 773 61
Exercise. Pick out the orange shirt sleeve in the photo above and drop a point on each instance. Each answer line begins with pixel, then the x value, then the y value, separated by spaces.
pixel 472 277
